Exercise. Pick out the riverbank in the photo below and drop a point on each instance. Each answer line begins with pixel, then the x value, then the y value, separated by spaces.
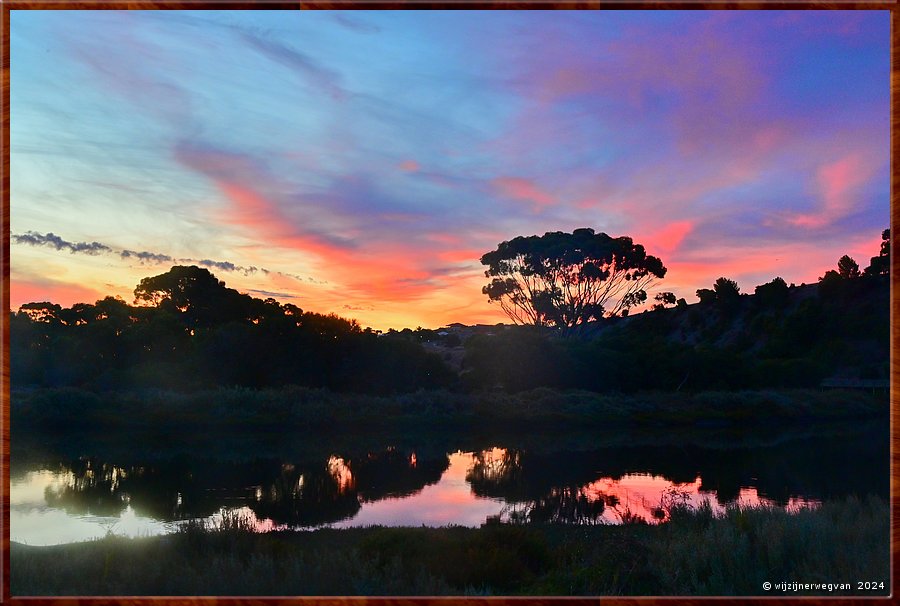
pixel 70 409
pixel 695 553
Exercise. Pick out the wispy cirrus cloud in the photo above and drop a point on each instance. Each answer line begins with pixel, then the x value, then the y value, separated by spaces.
pixel 352 23
pixel 326 80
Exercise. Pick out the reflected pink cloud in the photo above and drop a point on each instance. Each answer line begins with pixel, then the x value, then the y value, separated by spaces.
pixel 647 497
pixel 450 501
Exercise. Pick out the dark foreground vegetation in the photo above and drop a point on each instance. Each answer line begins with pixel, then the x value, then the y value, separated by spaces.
pixel 694 553
pixel 243 410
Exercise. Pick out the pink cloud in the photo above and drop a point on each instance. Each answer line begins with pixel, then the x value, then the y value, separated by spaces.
pixel 669 238
pixel 798 262
pixel 251 210
pixel 711 81
pixel 444 238
pixel 361 265
pixel 517 188
pixel 379 271
pixel 838 183
pixel 843 23
pixel 410 166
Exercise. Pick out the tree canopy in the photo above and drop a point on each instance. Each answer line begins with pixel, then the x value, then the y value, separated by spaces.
pixel 191 331
pixel 773 294
pixel 198 297
pixel 728 294
pixel 881 265
pixel 565 280
pixel 848 268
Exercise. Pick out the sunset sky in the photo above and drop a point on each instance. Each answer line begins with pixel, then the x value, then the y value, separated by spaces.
pixel 361 162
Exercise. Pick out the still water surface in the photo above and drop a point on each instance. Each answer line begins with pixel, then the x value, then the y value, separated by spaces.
pixel 85 497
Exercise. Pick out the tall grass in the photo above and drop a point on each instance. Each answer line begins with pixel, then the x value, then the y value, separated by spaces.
pixel 695 553
pixel 734 554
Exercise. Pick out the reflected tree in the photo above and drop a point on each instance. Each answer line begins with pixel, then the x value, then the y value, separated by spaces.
pixel 392 473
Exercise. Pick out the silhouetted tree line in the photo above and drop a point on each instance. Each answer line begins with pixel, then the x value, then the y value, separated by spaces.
pixel 782 336
pixel 191 331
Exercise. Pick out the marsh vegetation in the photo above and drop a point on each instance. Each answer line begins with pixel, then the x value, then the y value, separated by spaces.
pixel 697 552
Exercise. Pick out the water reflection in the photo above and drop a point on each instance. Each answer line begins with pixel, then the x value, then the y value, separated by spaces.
pixel 449 500
pixel 413 486
pixel 306 495
pixel 36 519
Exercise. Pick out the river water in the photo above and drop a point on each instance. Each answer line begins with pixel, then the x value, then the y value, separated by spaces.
pixel 64 492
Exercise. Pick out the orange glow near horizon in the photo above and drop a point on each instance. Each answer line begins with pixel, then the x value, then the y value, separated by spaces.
pixel 391 287
pixel 66 295
pixel 434 279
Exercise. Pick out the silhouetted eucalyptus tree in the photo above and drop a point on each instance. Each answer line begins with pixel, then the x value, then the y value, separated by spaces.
pixel 565 280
